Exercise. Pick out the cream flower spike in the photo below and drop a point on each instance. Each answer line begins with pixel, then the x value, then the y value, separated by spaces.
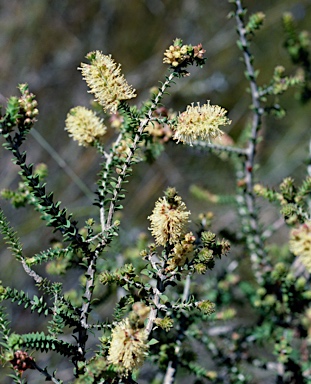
pixel 200 123
pixel 84 126
pixel 300 243
pixel 169 218
pixel 128 347
pixel 105 80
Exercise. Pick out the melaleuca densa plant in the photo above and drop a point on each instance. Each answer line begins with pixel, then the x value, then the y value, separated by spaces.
pixel 176 255
pixel 168 299
pixel 144 315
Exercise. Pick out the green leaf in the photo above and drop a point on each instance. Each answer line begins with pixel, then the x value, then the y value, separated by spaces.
pixel 153 341
pixel 145 272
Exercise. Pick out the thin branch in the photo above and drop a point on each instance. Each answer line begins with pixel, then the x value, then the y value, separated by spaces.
pixel 156 295
pixel 104 184
pixel 154 311
pixel 169 377
pixel 37 278
pixel 258 254
pixel 133 147
pixel 89 287
pixel 45 373
pixel 221 148
pixel 186 289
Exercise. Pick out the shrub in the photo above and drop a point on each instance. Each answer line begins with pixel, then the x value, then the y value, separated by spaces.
pixel 167 303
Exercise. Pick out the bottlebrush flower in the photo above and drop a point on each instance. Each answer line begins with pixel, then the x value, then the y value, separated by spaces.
pixel 169 218
pixel 200 123
pixel 128 347
pixel 105 80
pixel 300 244
pixel 84 126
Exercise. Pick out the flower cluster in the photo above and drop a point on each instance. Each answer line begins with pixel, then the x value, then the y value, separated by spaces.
pixel 84 126
pixel 139 314
pixel 28 105
pixel 206 306
pixel 123 149
pixel 128 347
pixel 255 22
pixel 175 55
pixel 204 260
pixel 212 248
pixel 105 80
pixel 182 252
pixel 116 120
pixel 166 323
pixel 161 132
pixel 22 361
pixel 169 218
pixel 300 243
pixel 200 123
pixel 180 55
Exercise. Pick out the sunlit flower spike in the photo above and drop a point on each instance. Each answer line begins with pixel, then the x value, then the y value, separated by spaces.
pixel 128 347
pixel 300 244
pixel 105 80
pixel 169 218
pixel 84 126
pixel 200 123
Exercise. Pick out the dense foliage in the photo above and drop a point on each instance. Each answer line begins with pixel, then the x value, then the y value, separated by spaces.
pixel 159 310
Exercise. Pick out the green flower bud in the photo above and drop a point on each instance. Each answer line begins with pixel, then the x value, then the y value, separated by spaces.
pixel 166 323
pixel 206 306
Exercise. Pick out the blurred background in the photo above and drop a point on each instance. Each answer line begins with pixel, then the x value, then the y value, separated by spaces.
pixel 43 42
